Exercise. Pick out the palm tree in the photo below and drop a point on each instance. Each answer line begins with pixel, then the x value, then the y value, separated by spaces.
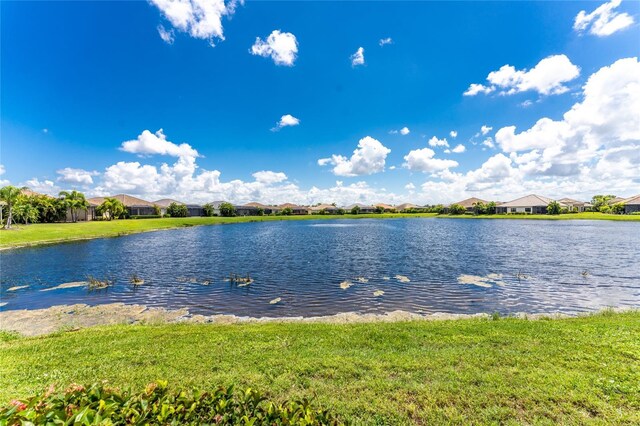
pixel 111 208
pixel 10 194
pixel 75 201
pixel 25 211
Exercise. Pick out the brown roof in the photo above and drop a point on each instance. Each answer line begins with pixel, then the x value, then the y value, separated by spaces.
pixel 29 193
pixel 470 202
pixel 632 200
pixel 528 201
pixel 405 206
pixel 260 205
pixel 571 202
pixel 165 202
pixel 291 206
pixel 384 206
pixel 127 200
pixel 322 207
pixel 616 200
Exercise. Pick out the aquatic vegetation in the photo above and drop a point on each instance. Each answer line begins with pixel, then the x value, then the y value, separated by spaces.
pixel 276 300
pixel 17 287
pixel 378 293
pixel 73 284
pixel 136 280
pixel 345 284
pixel 486 281
pixel 402 278
pixel 96 284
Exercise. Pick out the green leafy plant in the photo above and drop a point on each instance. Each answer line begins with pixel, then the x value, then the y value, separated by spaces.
pixel 177 210
pixel 355 210
pixel 158 405
pixel 207 210
pixel 456 209
pixel 227 210
pixel 554 208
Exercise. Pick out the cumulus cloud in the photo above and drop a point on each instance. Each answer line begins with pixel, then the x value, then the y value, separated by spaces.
pixel 546 78
pixel 167 36
pixel 76 176
pixel 459 149
pixel 488 142
pixel 279 46
pixel 410 186
pixel 453 134
pixel 201 19
pixel 266 176
pixel 368 158
pixel 385 41
pixel 423 160
pixel 603 21
pixel 404 131
pixel 358 57
pixel 156 143
pixel 485 129
pixel 434 142
pixel 286 120
pixel 45 186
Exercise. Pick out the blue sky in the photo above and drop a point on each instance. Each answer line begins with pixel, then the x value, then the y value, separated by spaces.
pixel 79 79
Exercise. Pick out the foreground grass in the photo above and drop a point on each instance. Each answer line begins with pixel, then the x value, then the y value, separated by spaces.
pixel 47 233
pixel 574 371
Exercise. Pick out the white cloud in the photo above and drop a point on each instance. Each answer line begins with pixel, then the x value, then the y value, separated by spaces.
pixel 410 186
pixel 167 36
pixel 285 121
pixel 358 57
pixel 405 131
pixel 422 160
pixel 201 19
pixel 385 41
pixel 45 186
pixel 368 158
pixel 279 46
pixel 434 141
pixel 546 78
pixel 603 21
pixel 2 169
pixel 488 142
pixel 149 143
pixel 76 176
pixel 266 176
pixel 459 149
pixel 453 134
pixel 485 129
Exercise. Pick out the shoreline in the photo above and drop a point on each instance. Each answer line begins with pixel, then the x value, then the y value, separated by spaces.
pixel 32 235
pixel 65 318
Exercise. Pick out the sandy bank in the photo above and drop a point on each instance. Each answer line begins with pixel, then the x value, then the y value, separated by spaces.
pixel 74 317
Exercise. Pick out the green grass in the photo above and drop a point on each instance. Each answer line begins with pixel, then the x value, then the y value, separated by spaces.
pixel 574 371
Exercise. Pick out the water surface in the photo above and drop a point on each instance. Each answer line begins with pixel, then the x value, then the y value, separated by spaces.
pixel 546 266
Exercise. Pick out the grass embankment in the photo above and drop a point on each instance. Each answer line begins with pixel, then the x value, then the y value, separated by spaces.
pixel 45 233
pixel 571 371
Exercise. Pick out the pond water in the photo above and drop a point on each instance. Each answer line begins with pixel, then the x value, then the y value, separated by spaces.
pixel 417 265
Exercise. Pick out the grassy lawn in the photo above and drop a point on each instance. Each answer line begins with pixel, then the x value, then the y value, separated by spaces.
pixel 573 371
pixel 46 233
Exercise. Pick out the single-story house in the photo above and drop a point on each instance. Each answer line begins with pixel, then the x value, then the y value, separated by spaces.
pixel 328 208
pixel 632 204
pixel 135 206
pixel 194 210
pixel 572 204
pixel 164 203
pixel 363 208
pixel 469 203
pixel 386 207
pixel 406 206
pixel 265 208
pixel 246 210
pixel 616 200
pixel 530 204
pixel 297 210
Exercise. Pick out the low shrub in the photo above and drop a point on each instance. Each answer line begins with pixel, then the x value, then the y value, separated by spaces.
pixel 157 405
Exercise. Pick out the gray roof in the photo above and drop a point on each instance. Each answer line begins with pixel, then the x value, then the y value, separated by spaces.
pixel 532 200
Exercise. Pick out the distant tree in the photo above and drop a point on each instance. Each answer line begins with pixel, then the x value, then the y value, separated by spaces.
pixel 457 209
pixel 227 210
pixel 340 212
pixel 156 210
pixel 355 210
pixel 287 211
pixel 600 201
pixel 554 208
pixel 207 209
pixel 177 210
pixel 617 208
pixel 439 209
pixel 260 211
pixel 111 208
pixel 605 209
pixel 379 209
pixel 10 194
pixel 479 208
pixel 490 207
pixel 75 202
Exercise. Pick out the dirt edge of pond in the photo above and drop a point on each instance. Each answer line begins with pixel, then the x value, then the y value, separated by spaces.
pixel 65 318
